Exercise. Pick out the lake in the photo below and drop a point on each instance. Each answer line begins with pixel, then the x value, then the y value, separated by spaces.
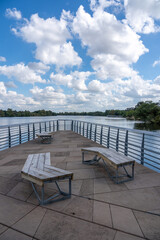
pixel 112 121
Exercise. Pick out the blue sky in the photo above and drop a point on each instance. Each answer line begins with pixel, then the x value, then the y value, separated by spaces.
pixel 79 55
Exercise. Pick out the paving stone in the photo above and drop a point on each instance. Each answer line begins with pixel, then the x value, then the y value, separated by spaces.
pixel 101 213
pixel 14 235
pixel 123 219
pixel 80 207
pixel 11 210
pixel 124 236
pixel 6 184
pixel 87 187
pixel 101 186
pixel 2 228
pixel 150 224
pixel 83 174
pixel 21 191
pixel 58 226
pixel 144 180
pixel 146 199
pixel 29 223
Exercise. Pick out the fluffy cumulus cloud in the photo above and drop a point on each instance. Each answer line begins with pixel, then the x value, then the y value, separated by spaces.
pixel 13 13
pixel 51 39
pixel 11 99
pixel 75 80
pixel 21 73
pixel 142 15
pixel 48 97
pixel 116 44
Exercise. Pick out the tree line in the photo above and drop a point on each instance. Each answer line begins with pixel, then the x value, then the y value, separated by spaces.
pixel 147 111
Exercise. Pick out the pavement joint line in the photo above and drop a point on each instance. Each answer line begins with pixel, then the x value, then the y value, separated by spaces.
pixel 40 222
pixel 23 216
pixel 10 227
pixel 111 214
pixel 138 223
pixel 88 221
pixel 151 213
pixel 157 214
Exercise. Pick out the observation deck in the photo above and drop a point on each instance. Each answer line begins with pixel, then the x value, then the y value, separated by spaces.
pixel 98 209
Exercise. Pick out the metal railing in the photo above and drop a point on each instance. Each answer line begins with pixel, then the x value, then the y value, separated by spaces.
pixel 142 146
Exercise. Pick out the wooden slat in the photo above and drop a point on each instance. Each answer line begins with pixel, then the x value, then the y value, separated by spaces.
pixel 47 158
pixel 27 163
pixel 41 160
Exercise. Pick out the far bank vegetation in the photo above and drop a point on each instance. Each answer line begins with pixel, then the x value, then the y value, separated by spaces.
pixel 147 111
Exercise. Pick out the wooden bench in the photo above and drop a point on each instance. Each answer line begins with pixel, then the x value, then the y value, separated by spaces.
pixel 38 170
pixel 113 159
pixel 45 137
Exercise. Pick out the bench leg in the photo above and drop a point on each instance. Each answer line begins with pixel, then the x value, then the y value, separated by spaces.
pixel 92 161
pixel 116 178
pixel 51 199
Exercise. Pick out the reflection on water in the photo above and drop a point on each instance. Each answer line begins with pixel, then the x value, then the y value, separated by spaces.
pixel 147 127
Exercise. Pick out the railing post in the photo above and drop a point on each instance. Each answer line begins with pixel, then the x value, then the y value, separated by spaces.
pixel 20 139
pixel 28 133
pixel 80 128
pixel 49 126
pixel 45 127
pixel 91 131
pixel 117 140
pixel 34 131
pixel 126 144
pixel 9 137
pixel 72 125
pixel 83 129
pixel 142 150
pixel 87 130
pixel 101 135
pixel 95 133
pixel 108 137
pixel 57 125
pixel 40 127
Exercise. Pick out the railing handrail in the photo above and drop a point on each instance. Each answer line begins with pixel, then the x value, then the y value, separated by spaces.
pixel 100 124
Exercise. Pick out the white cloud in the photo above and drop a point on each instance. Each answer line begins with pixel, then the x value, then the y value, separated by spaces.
pixel 48 97
pixel 116 41
pixel 11 99
pixel 141 15
pixel 2 59
pixel 74 80
pixel 10 84
pixel 157 62
pixel 102 4
pixel 13 13
pixel 38 67
pixel 21 73
pixel 50 37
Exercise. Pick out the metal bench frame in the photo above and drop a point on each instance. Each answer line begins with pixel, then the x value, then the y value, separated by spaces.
pixel 53 198
pixel 116 177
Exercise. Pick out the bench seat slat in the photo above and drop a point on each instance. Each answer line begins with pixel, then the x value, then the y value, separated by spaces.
pixel 27 164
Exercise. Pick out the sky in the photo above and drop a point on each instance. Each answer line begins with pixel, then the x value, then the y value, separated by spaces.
pixel 79 55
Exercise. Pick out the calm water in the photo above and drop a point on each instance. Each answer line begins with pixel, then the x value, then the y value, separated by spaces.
pixel 118 122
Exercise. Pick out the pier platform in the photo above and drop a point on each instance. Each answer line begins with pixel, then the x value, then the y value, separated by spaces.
pixel 98 208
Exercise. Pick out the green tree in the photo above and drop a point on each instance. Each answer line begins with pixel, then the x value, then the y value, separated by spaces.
pixel 147 111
